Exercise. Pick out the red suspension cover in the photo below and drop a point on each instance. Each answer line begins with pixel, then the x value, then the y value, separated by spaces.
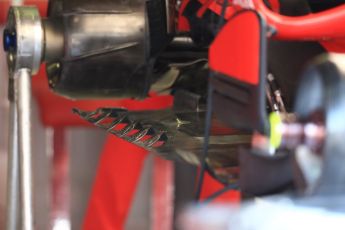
pixel 235 50
pixel 237 57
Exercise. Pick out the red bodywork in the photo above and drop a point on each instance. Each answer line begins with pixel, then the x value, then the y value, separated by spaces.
pixel 244 47
pixel 325 27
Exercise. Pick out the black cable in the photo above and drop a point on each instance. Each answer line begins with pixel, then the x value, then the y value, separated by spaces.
pixel 208 119
pixel 222 15
pixel 206 140
pixel 220 192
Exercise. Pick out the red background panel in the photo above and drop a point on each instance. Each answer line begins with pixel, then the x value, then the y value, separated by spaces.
pixel 116 181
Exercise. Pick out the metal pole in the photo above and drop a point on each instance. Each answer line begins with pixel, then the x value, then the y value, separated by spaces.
pixel 24 35
pixel 13 163
pixel 22 80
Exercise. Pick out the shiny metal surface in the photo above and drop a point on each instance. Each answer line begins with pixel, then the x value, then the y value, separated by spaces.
pixel 25 23
pixel 53 39
pixel 274 95
pixel 24 56
pixel 4 137
pixel 171 11
pixel 92 34
pixel 13 166
pixel 106 49
pixel 22 80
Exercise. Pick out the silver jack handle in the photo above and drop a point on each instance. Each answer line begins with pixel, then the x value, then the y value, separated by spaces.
pixel 23 42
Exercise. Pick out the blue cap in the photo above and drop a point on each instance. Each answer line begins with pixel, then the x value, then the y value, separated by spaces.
pixel 9 40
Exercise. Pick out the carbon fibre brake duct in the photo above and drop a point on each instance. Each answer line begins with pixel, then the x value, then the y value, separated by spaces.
pixel 175 134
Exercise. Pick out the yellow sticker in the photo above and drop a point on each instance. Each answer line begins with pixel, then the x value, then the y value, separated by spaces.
pixel 275 135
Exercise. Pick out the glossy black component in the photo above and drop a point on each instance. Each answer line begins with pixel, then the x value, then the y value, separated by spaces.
pixel 203 30
pixel 263 175
pixel 108 48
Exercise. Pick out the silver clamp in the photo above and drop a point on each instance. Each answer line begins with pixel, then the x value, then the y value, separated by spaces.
pixel 23 41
